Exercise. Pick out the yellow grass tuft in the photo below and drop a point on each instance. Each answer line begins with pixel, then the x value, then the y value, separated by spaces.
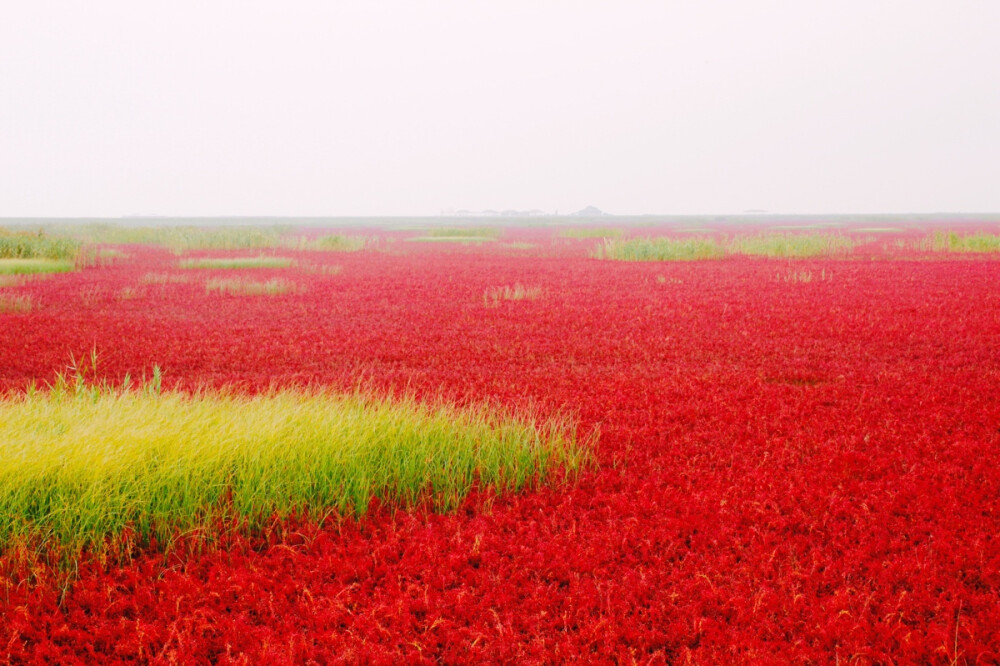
pixel 81 464
pixel 518 292
pixel 14 303
pixel 239 287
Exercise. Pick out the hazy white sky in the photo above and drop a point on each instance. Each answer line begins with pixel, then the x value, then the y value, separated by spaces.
pixel 382 108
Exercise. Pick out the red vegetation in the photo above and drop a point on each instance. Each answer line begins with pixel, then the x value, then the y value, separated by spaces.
pixel 789 471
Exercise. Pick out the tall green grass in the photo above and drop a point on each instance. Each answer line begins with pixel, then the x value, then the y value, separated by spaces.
pixel 38 245
pixel 659 249
pixel 791 245
pixel 80 464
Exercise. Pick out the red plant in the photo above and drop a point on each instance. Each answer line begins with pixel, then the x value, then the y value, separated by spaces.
pixel 789 471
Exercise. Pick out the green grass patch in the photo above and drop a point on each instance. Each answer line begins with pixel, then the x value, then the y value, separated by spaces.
pixel 333 243
pixel 458 235
pixel 222 263
pixel 950 241
pixel 35 265
pixel 37 245
pixel 591 232
pixel 659 249
pixel 238 287
pixel 706 247
pixel 792 245
pixel 182 238
pixel 81 464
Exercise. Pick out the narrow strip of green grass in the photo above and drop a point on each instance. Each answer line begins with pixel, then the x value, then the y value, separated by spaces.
pixel 591 232
pixel 237 287
pixel 22 266
pixel 659 249
pixel 706 247
pixel 464 232
pixel 236 262
pixel 332 243
pixel 79 465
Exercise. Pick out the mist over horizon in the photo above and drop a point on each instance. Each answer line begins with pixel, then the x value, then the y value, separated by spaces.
pixel 401 109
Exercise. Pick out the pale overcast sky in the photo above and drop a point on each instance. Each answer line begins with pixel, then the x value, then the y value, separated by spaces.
pixel 410 107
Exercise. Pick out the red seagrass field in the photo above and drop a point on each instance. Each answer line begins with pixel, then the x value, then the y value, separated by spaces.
pixel 792 446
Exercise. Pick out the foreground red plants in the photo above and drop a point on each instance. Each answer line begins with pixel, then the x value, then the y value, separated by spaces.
pixel 790 470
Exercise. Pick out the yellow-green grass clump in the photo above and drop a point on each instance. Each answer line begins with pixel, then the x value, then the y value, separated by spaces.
pixel 517 292
pixel 15 303
pixel 224 263
pixel 659 249
pixel 591 232
pixel 183 238
pixel 27 266
pixel 37 245
pixel 705 247
pixel 792 245
pixel 950 241
pixel 238 287
pixel 459 234
pixel 333 243
pixel 80 464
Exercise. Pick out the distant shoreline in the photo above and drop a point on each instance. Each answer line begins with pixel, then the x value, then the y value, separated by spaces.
pixel 735 220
